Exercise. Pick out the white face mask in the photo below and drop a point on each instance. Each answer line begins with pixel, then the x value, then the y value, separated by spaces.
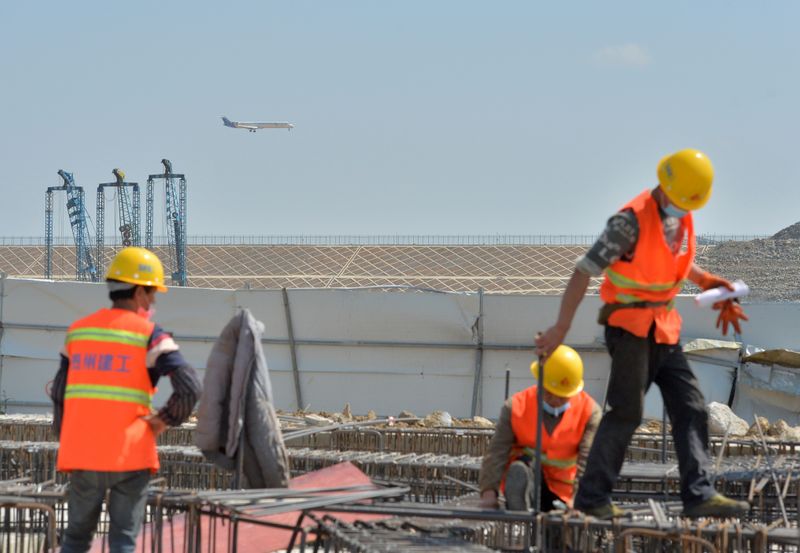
pixel 673 211
pixel 554 411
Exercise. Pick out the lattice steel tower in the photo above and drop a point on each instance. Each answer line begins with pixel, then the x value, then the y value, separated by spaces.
pixel 85 268
pixel 174 219
pixel 128 210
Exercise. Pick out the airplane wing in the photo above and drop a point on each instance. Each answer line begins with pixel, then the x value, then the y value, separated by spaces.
pixel 246 126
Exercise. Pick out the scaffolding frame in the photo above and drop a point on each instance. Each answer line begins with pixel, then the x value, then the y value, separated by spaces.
pixel 175 213
pixel 129 214
pixel 85 269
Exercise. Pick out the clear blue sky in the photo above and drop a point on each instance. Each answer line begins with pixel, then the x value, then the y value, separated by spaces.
pixel 412 117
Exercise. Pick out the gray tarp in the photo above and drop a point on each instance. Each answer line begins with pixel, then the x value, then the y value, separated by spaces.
pixel 236 407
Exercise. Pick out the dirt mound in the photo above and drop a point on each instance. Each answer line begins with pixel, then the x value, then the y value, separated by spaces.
pixel 792 232
pixel 770 267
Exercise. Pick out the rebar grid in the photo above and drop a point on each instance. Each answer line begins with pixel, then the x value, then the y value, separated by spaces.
pixel 30 514
pixel 436 478
pixel 25 526
pixel 39 428
pixel 368 537
pixel 444 441
pixel 424 473
pixel 644 447
pixel 503 534
pixel 576 533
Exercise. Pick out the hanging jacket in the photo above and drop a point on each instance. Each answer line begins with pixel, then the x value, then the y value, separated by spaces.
pixel 108 391
pixel 559 449
pixel 640 291
pixel 236 415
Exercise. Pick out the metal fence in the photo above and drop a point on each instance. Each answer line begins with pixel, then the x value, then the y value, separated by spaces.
pixel 377 240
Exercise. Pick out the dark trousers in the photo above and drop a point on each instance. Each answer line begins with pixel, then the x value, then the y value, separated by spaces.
pixel 547 497
pixel 635 364
pixel 126 504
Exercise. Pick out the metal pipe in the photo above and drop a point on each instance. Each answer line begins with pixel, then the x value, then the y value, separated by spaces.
pixel 341 426
pixel 433 511
pixel 663 432
pixel 585 348
pixel 478 379
pixel 3 277
pixel 381 437
pixel 537 476
pixel 736 369
pixel 768 459
pixel 298 394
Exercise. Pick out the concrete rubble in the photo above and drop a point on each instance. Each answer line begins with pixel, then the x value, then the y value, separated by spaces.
pixel 722 420
pixel 438 419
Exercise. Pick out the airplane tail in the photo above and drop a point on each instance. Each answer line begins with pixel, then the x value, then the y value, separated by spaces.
pixel 227 121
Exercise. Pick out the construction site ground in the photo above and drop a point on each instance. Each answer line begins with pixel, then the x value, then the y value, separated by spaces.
pixel 422 497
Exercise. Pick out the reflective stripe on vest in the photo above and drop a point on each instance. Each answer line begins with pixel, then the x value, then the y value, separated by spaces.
pixel 108 394
pixel 559 449
pixel 622 281
pixel 654 274
pixel 96 334
pixel 560 463
pixel 111 393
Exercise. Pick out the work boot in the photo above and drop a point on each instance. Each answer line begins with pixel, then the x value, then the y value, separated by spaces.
pixel 604 512
pixel 717 506
pixel 518 487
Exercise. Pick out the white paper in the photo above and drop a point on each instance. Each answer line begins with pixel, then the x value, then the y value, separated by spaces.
pixel 712 296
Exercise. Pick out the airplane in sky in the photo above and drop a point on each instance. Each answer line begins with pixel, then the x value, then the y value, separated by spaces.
pixel 254 126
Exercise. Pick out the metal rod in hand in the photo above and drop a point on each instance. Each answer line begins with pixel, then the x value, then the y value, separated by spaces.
pixel 664 432
pixel 508 382
pixel 537 469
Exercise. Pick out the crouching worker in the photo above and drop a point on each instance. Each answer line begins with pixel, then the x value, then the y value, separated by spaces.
pixel 102 395
pixel 570 421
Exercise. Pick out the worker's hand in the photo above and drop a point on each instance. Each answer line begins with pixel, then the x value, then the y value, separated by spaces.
pixel 547 342
pixel 488 499
pixel 709 280
pixel 156 424
pixel 730 313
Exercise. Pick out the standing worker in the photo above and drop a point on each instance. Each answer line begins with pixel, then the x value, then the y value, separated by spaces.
pixel 645 264
pixel 110 365
pixel 570 421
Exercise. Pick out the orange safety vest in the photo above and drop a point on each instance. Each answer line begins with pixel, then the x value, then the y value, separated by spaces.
pixel 559 449
pixel 655 274
pixel 108 392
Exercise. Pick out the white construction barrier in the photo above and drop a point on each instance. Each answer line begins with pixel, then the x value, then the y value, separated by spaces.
pixel 380 349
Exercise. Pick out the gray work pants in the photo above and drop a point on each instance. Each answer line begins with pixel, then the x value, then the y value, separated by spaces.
pixel 126 504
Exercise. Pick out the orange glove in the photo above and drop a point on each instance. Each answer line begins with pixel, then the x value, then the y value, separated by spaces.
pixel 710 280
pixel 730 312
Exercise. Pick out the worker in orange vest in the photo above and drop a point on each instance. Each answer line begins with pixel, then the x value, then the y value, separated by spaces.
pixel 102 394
pixel 570 420
pixel 646 252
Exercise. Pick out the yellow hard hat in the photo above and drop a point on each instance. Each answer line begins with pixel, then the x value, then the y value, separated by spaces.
pixel 137 266
pixel 686 177
pixel 563 372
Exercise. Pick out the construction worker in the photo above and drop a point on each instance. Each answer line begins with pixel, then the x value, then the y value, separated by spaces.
pixel 570 420
pixel 110 365
pixel 645 261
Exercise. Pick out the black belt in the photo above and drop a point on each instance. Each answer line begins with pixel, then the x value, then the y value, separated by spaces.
pixel 609 308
